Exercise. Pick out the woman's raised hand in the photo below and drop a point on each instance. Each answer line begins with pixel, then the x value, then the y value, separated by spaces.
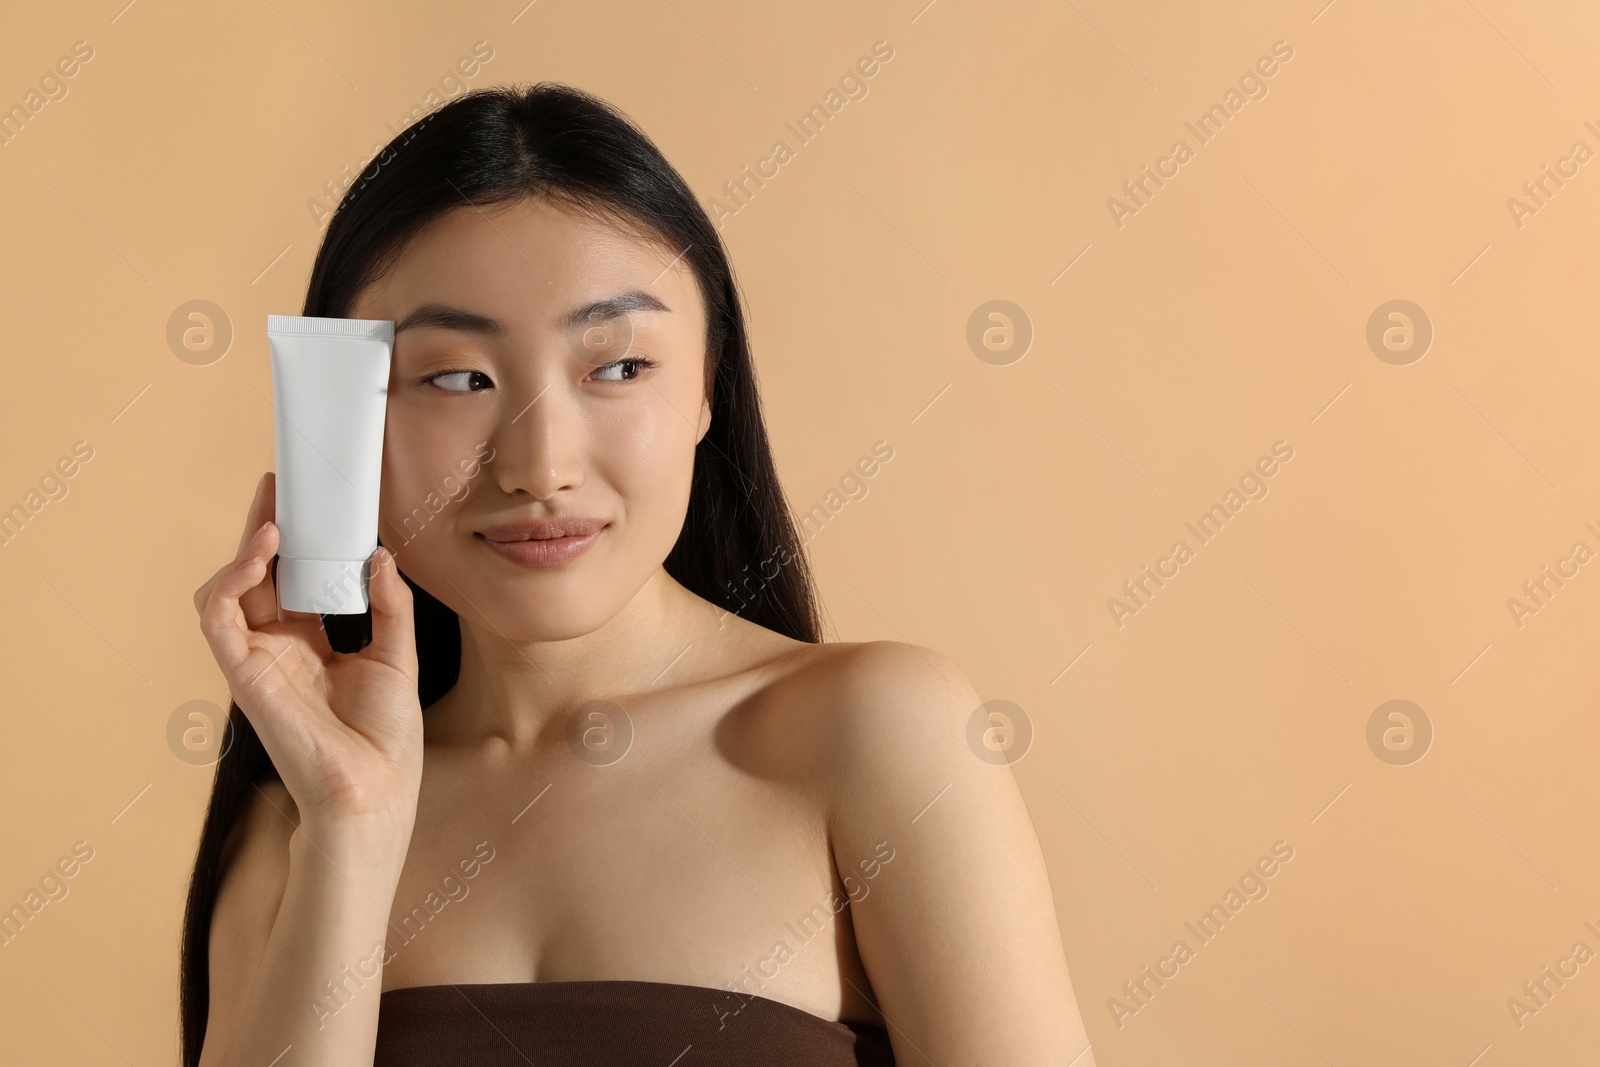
pixel 344 730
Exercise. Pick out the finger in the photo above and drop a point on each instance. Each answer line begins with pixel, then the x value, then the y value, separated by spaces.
pixel 260 602
pixel 258 512
pixel 254 672
pixel 260 539
pixel 222 621
pixel 393 625
pixel 202 595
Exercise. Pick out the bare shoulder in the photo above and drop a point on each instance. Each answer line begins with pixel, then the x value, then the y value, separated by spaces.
pixel 868 665
pixel 888 679
pixel 254 870
pixel 863 703
pixel 951 904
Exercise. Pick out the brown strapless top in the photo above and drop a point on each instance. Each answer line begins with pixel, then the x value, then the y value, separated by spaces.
pixel 612 1022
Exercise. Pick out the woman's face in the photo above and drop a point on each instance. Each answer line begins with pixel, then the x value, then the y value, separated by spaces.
pixel 508 404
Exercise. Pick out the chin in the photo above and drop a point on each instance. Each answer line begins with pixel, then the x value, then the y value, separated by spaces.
pixel 550 620
pixel 540 606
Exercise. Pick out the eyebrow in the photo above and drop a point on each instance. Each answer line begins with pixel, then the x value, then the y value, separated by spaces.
pixel 446 317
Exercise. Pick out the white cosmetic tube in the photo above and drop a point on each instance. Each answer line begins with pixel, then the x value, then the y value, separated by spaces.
pixel 330 386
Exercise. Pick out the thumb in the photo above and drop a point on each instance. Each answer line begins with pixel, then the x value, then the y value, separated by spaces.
pixel 394 638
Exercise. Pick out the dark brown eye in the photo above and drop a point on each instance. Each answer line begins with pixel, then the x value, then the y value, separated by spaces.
pixel 637 365
pixel 458 381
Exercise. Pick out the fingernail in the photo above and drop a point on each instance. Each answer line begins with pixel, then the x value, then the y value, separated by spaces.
pixel 260 531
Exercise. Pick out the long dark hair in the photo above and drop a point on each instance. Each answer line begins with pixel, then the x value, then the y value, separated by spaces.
pixel 738 549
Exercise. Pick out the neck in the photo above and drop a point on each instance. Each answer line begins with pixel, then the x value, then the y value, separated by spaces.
pixel 512 691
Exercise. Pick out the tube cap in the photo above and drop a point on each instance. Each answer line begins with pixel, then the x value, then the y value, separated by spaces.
pixel 325 586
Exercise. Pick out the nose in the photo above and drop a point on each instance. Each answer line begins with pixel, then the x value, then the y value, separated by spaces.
pixel 538 444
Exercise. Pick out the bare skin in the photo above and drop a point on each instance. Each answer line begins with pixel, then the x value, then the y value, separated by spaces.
pixel 765 777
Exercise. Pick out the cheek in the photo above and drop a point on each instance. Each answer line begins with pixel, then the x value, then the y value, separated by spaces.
pixel 418 458
pixel 648 459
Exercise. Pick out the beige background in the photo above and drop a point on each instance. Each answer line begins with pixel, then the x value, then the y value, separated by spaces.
pixel 1228 313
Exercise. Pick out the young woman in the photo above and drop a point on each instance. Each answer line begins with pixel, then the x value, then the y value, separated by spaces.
pixel 593 790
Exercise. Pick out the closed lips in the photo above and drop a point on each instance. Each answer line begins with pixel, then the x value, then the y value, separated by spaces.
pixel 542 529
